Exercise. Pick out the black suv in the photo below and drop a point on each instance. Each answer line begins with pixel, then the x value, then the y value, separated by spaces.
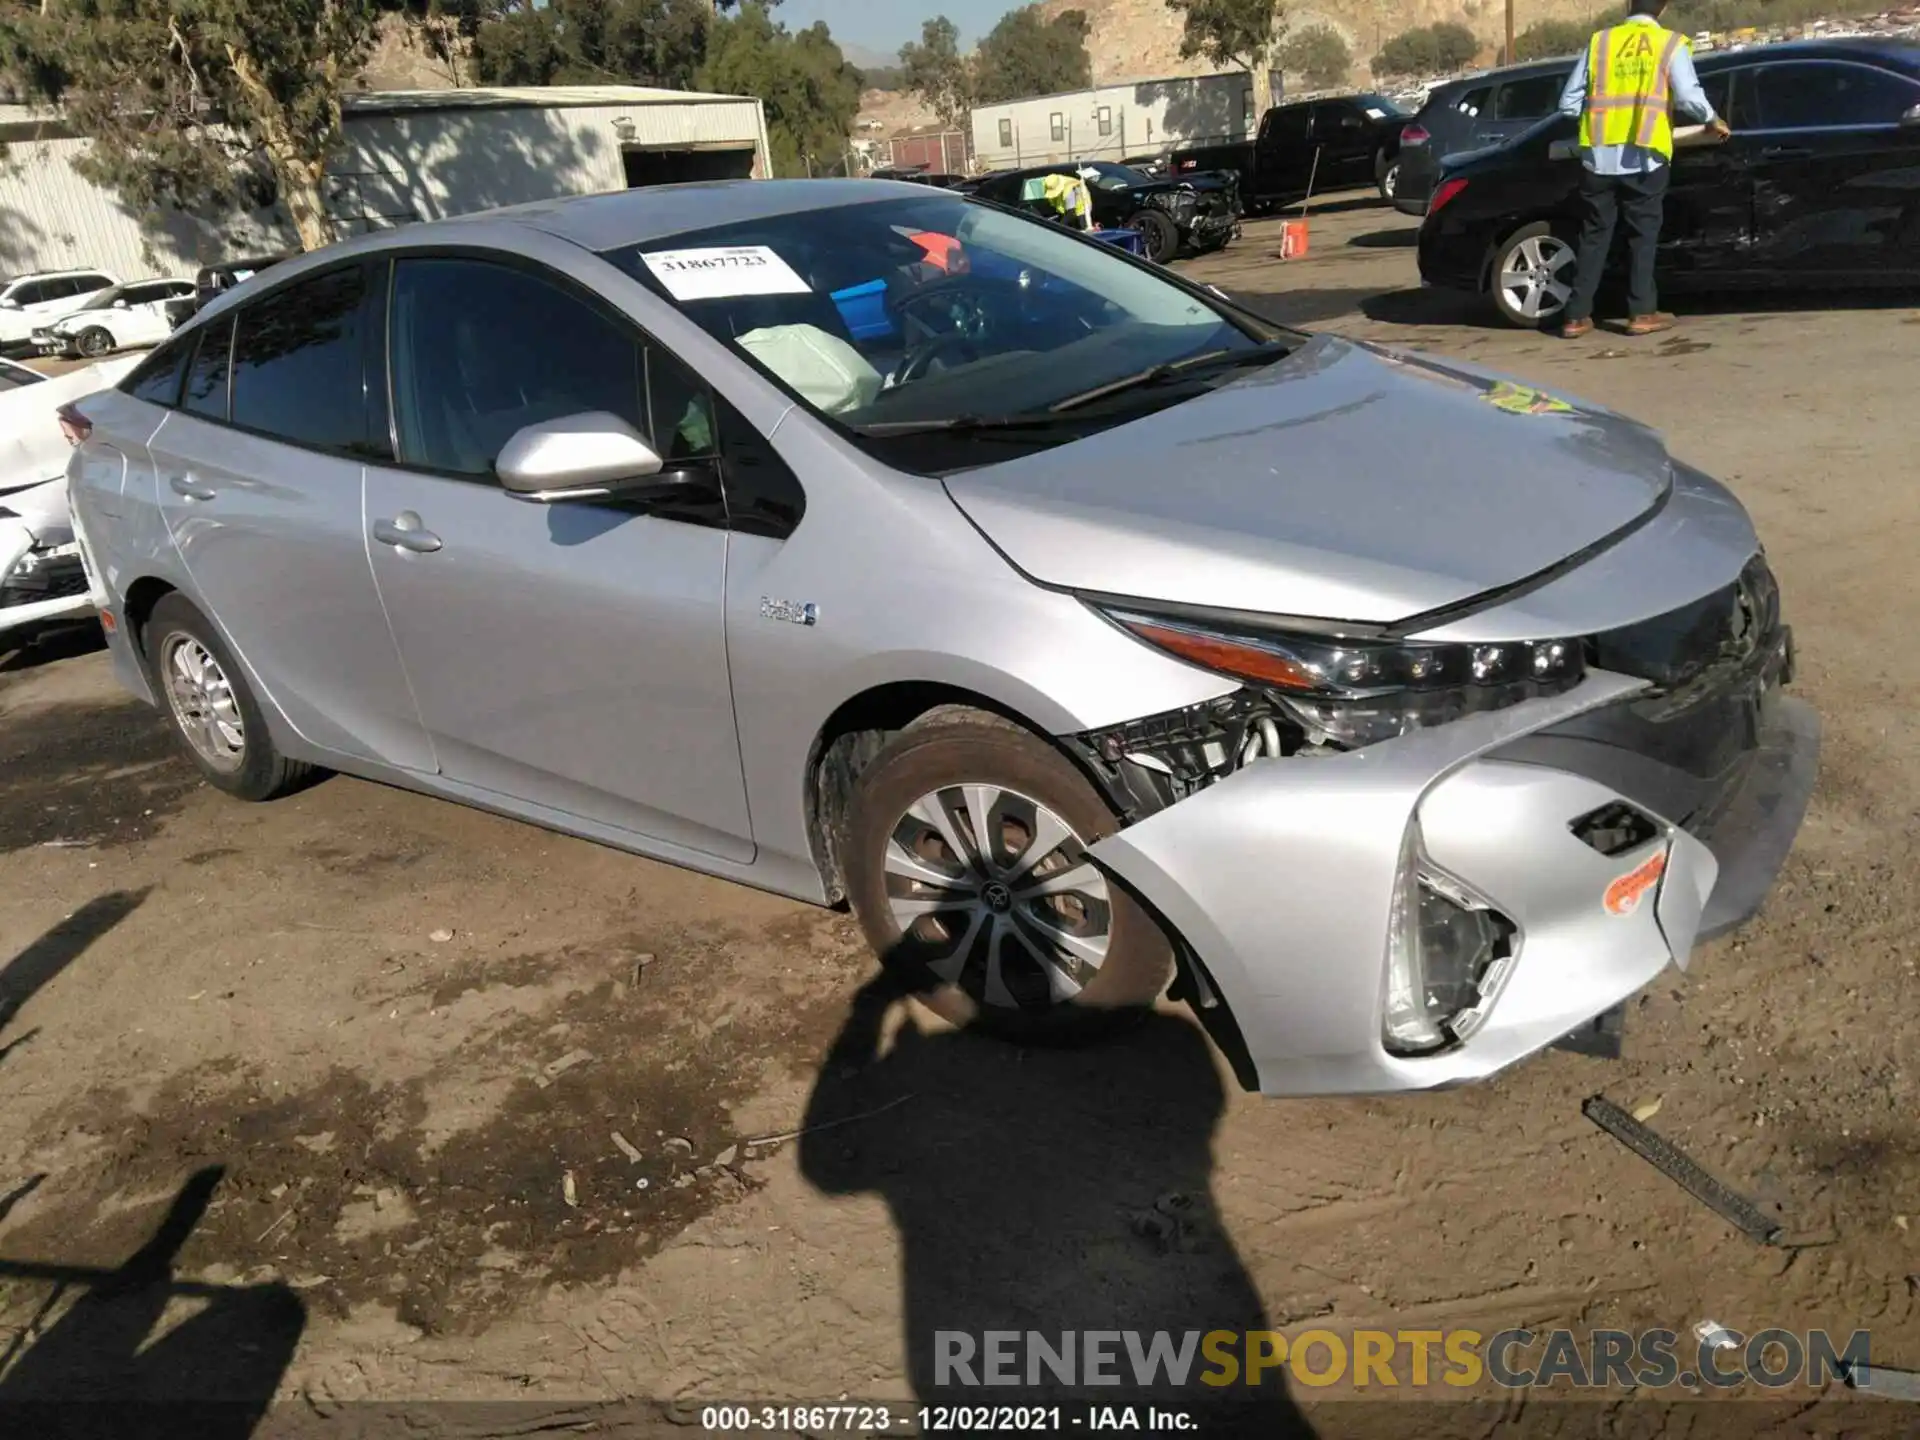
pixel 1471 114
pixel 214 280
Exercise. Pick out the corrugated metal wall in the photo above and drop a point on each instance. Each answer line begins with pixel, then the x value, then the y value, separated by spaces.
pixel 393 168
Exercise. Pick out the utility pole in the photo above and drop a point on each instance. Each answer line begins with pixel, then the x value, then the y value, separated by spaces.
pixel 1507 58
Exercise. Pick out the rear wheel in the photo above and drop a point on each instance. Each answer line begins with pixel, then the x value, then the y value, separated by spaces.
pixel 1160 235
pixel 1390 182
pixel 1532 276
pixel 212 709
pixel 966 861
pixel 94 341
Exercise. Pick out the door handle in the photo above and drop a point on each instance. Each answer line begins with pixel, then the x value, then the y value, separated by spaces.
pixel 404 532
pixel 190 488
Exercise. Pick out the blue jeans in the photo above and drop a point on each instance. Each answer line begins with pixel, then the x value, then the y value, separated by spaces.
pixel 1605 200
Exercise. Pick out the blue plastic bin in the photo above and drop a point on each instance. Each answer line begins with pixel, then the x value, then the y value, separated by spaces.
pixel 864 309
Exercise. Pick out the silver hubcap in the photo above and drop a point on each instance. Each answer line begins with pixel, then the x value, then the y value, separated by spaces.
pixel 1390 182
pixel 203 703
pixel 1537 277
pixel 997 893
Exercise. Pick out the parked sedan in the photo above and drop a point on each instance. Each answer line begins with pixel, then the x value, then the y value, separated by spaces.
pixel 124 317
pixel 1820 185
pixel 1074 626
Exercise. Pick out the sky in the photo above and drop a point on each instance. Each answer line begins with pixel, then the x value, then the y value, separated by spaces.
pixel 886 25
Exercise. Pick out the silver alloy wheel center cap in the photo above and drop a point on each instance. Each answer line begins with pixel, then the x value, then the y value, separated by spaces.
pixel 998 897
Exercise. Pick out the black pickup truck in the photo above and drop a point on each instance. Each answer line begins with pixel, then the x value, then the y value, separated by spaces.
pixel 1354 138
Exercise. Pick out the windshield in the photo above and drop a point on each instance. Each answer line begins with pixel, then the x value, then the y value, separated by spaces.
pixel 1105 175
pixel 1387 108
pixel 106 298
pixel 899 319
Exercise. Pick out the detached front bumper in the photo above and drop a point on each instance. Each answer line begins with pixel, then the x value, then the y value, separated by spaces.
pixel 1282 878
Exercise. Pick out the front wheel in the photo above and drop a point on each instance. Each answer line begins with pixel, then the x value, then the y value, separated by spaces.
pixel 966 861
pixel 1532 277
pixel 1159 234
pixel 93 342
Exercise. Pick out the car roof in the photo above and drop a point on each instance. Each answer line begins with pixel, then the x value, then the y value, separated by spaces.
pixel 57 274
pixel 1897 54
pixel 1528 70
pixel 654 212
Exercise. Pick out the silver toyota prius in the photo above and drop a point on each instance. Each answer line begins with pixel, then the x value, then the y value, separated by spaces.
pixel 1083 632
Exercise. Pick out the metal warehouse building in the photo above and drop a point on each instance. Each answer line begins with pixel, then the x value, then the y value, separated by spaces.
pixel 405 156
pixel 1141 117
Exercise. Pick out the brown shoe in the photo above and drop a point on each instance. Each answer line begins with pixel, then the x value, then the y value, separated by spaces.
pixel 1574 329
pixel 1650 324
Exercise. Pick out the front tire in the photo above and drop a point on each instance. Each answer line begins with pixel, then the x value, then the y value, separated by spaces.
pixel 965 859
pixel 1531 278
pixel 205 694
pixel 93 342
pixel 1159 234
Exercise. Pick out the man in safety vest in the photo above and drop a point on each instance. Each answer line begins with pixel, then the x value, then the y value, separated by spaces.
pixel 1624 88
pixel 1072 204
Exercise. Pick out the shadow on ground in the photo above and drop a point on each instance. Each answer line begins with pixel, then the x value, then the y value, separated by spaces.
pixel 29 972
pixel 109 1365
pixel 1046 1192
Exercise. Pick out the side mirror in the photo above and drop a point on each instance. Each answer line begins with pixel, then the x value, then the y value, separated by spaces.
pixel 1912 117
pixel 590 456
pixel 119 304
pixel 9 304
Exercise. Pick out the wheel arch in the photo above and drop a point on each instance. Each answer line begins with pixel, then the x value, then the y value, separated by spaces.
pixel 136 607
pixel 859 729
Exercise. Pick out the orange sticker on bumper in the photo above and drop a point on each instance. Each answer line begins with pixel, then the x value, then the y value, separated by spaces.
pixel 1623 895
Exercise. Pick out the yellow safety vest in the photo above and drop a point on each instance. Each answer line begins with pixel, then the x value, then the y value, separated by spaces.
pixel 1068 196
pixel 1628 90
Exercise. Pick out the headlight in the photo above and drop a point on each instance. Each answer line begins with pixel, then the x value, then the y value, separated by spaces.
pixel 1449 953
pixel 1350 693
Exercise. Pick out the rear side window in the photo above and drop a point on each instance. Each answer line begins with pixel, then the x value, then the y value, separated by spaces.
pixel 1813 94
pixel 206 389
pixel 296 363
pixel 1287 127
pixel 480 350
pixel 1528 99
pixel 157 378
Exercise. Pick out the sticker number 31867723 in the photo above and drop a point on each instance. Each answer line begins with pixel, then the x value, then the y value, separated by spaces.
pixel 723 271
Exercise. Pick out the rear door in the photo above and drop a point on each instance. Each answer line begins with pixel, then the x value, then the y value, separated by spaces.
pixel 1707 229
pixel 1283 152
pixel 1345 141
pixel 258 476
pixel 1837 172
pixel 571 656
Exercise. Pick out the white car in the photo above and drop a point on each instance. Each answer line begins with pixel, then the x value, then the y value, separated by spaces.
pixel 41 579
pixel 30 301
pixel 122 317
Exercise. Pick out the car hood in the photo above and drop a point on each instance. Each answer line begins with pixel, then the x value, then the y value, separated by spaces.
pixel 1344 482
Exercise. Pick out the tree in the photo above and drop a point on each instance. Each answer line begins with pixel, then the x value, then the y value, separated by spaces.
pixel 1428 49
pixel 186 100
pixel 937 72
pixel 1026 54
pixel 810 91
pixel 1240 33
pixel 1546 38
pixel 1317 56
pixel 572 42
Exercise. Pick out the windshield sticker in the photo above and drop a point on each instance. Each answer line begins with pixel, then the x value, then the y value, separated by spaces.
pixel 724 271
pixel 1524 400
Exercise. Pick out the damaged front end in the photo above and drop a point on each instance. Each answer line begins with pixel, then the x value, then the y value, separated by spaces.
pixel 42 579
pixel 1516 835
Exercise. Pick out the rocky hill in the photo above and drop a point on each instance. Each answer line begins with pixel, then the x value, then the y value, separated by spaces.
pixel 1140 39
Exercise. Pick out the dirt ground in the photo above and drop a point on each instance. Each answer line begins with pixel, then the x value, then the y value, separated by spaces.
pixel 497 1114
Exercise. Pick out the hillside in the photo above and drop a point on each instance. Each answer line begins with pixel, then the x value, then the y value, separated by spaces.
pixel 1140 39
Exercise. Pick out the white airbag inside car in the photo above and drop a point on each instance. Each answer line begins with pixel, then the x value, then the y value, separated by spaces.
pixel 828 372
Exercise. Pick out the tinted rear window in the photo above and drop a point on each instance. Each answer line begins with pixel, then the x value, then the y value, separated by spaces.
pixel 206 392
pixel 296 363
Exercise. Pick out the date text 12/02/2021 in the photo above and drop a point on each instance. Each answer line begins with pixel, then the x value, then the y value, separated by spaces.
pixel 939 1419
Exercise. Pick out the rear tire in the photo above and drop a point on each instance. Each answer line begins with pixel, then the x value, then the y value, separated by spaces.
pixel 204 692
pixel 1531 278
pixel 1034 948
pixel 1390 182
pixel 1159 234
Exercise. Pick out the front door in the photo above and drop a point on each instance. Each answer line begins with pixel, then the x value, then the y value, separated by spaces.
pixel 259 479
pixel 1837 173
pixel 570 656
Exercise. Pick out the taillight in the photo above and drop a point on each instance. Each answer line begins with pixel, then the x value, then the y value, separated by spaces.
pixel 1446 191
pixel 1414 135
pixel 75 426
